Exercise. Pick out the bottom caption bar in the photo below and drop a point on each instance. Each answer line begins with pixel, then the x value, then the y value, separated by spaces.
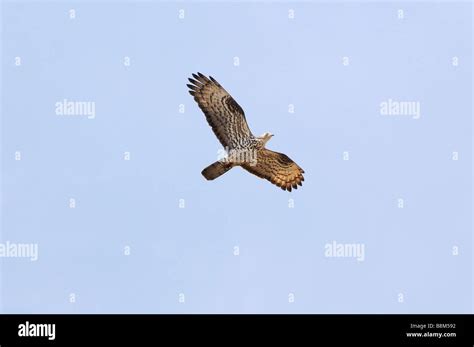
pixel 123 329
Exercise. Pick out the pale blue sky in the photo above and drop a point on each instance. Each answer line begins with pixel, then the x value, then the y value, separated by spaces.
pixel 283 61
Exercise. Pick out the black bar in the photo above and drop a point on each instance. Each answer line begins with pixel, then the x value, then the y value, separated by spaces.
pixel 326 330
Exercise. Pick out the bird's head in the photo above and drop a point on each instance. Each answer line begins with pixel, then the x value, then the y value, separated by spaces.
pixel 266 136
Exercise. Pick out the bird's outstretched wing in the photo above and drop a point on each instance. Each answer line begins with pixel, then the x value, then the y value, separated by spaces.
pixel 277 168
pixel 224 115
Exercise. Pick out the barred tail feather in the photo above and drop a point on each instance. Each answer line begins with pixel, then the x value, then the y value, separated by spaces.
pixel 216 169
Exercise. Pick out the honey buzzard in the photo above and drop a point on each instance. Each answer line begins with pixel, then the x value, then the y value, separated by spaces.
pixel 227 120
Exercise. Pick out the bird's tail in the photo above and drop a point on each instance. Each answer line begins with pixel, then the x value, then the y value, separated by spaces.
pixel 216 169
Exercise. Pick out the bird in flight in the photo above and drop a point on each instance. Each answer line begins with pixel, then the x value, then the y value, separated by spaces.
pixel 227 120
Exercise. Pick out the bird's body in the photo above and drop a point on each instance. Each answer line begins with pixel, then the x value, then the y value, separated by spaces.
pixel 227 120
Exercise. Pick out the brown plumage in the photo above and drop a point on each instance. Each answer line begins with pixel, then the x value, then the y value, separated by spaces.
pixel 227 120
pixel 278 168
